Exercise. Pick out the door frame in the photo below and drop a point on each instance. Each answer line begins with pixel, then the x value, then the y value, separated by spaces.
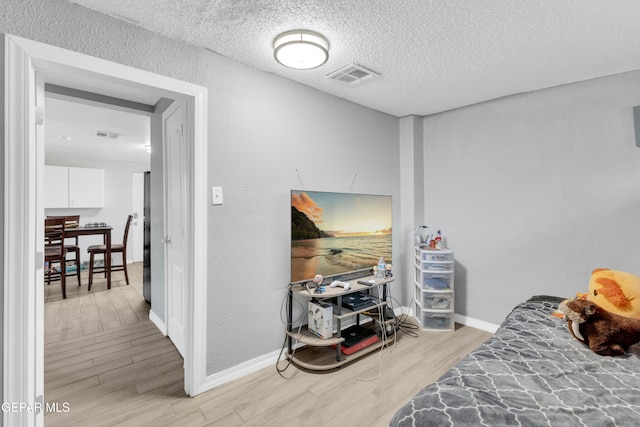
pixel 23 318
pixel 137 241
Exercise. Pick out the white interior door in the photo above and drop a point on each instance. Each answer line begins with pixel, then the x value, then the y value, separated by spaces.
pixel 137 225
pixel 175 220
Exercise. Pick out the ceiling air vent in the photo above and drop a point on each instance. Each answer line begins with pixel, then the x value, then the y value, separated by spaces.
pixel 352 74
pixel 105 134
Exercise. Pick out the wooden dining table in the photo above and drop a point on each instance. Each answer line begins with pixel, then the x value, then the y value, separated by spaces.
pixel 91 230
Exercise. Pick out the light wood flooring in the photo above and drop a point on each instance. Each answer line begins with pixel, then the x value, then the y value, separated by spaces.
pixel 109 363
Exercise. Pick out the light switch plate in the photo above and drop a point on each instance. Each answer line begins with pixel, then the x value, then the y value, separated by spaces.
pixel 216 196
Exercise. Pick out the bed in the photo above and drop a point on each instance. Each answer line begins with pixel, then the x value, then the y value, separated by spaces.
pixel 532 372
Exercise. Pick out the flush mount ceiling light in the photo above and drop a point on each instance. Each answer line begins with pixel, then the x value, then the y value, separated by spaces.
pixel 301 49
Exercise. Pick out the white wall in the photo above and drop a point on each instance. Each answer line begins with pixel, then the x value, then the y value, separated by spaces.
pixel 264 129
pixel 118 198
pixel 534 191
pixel 261 129
pixel 411 147
pixel 2 198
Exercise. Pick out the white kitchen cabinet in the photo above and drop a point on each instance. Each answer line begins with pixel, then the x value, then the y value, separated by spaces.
pixel 71 187
pixel 86 188
pixel 56 187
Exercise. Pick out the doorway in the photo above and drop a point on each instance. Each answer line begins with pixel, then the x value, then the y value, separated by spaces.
pixel 29 66
pixel 111 139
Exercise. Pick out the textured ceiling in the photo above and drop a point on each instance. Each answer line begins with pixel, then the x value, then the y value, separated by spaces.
pixel 432 55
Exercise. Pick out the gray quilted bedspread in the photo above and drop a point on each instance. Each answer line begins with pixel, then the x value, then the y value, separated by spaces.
pixel 532 372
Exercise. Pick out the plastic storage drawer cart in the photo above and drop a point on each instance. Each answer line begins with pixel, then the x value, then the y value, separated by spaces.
pixel 434 289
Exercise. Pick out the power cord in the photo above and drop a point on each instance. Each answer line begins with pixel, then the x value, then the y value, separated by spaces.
pixel 403 324
pixel 383 336
pixel 399 324
pixel 286 336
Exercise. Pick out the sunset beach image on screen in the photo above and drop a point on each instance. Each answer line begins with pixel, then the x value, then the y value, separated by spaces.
pixel 336 233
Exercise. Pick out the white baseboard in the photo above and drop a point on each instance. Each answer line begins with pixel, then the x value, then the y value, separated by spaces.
pixel 158 322
pixel 239 371
pixel 399 311
pixel 463 320
pixel 475 323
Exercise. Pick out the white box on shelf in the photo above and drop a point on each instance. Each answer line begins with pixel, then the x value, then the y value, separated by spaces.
pixel 320 319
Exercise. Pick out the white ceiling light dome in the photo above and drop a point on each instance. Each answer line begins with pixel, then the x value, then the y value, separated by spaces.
pixel 301 49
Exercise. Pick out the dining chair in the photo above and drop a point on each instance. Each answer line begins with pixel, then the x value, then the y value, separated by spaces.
pixel 70 222
pixel 115 248
pixel 54 250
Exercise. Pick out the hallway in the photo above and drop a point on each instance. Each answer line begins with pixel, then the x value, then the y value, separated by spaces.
pixel 101 351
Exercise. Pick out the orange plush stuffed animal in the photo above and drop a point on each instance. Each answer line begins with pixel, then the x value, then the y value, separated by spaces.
pixel 615 291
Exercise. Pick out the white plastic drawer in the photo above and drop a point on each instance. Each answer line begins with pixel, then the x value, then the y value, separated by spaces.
pixel 438 321
pixel 437 300
pixel 434 280
pixel 434 255
pixel 434 265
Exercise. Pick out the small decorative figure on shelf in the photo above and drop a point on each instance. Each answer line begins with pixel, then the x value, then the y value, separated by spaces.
pixel 318 281
pixel 388 270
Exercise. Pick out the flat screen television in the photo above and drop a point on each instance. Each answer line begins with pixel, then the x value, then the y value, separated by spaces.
pixel 334 234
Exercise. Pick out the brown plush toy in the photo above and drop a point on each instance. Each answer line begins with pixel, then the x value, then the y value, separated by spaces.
pixel 605 333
